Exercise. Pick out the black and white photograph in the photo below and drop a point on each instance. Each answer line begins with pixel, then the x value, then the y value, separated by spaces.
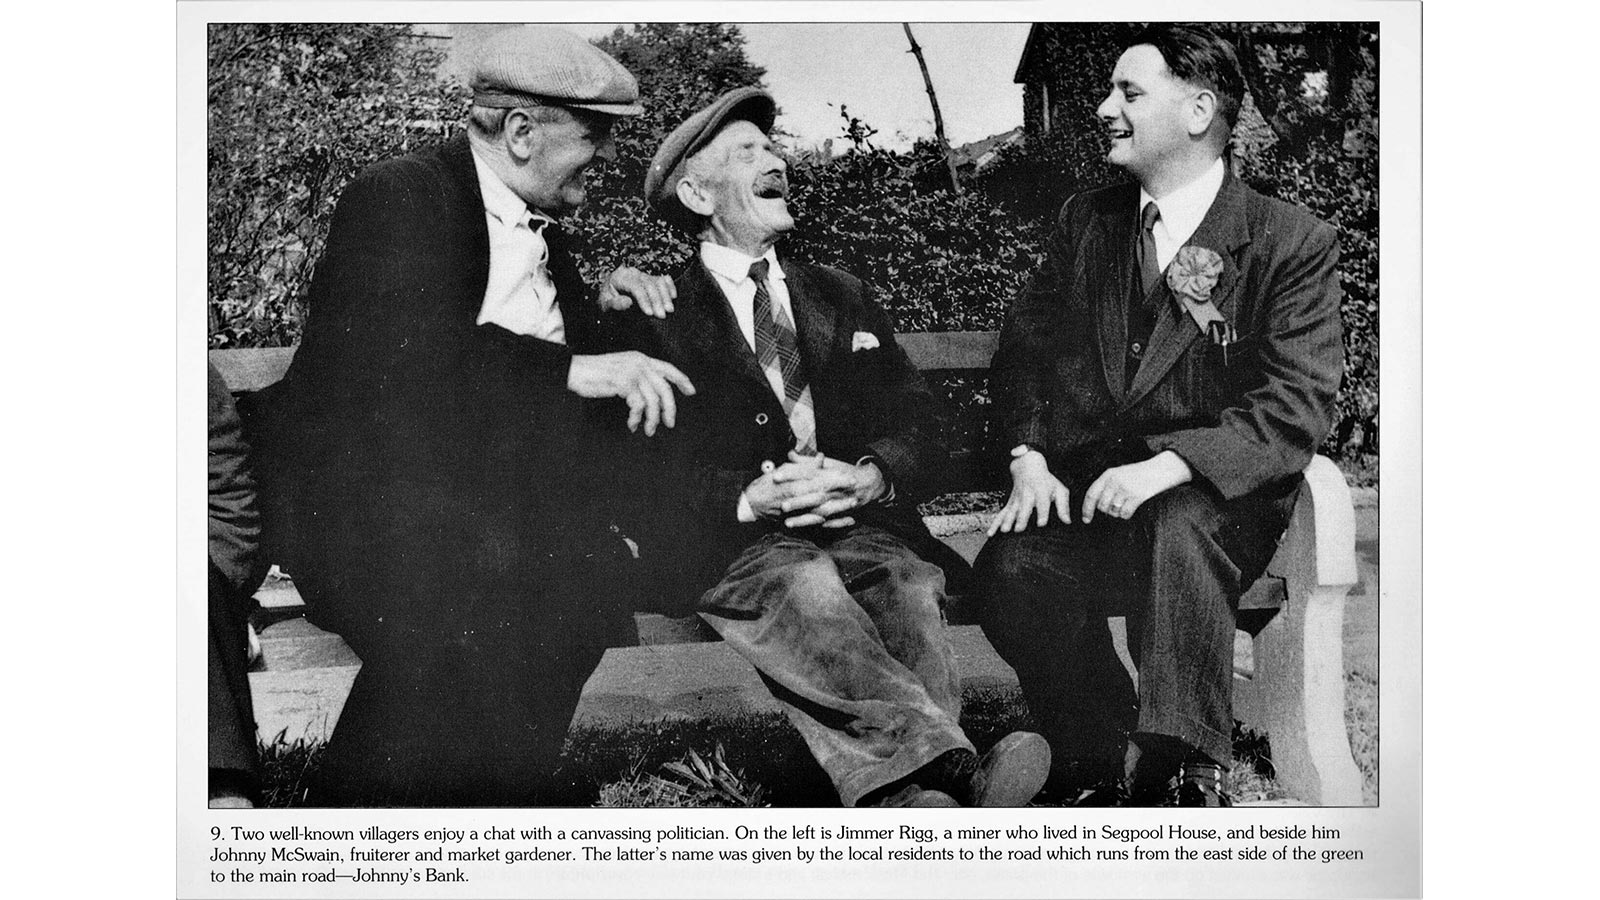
pixel 691 433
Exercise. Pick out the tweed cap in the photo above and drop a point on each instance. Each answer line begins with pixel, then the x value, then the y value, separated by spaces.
pixel 750 104
pixel 532 66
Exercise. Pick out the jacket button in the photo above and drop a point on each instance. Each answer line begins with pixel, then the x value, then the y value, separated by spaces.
pixel 761 418
pixel 1135 349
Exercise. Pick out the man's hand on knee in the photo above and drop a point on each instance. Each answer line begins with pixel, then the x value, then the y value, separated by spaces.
pixel 1034 491
pixel 645 382
pixel 1121 491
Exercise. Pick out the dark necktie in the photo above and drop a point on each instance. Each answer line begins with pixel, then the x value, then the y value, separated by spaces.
pixel 1149 266
pixel 778 350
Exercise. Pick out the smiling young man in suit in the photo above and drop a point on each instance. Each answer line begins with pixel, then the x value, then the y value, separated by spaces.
pixel 790 484
pixel 1164 377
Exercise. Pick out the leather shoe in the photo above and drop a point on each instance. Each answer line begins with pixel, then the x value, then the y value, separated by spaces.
pixel 912 797
pixel 1083 782
pixel 1202 787
pixel 1011 773
pixel 1154 794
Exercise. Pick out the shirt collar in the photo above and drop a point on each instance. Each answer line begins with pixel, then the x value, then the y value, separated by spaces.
pixel 1182 209
pixel 499 200
pixel 734 265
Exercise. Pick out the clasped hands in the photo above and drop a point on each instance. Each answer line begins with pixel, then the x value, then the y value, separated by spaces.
pixel 815 490
pixel 1118 492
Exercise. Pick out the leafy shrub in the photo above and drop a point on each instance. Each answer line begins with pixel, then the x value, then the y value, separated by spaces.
pixel 940 261
pixel 1342 191
pixel 293 112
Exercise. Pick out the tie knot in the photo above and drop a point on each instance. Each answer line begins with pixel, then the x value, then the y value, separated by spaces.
pixel 1151 214
pixel 758 271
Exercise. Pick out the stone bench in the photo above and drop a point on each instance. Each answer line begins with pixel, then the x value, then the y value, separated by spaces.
pixel 1289 673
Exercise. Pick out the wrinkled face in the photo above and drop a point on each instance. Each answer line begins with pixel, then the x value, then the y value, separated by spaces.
pixel 748 188
pixel 553 179
pixel 1148 114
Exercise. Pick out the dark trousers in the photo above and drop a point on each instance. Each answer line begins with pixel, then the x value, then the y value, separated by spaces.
pixel 1176 569
pixel 230 715
pixel 472 709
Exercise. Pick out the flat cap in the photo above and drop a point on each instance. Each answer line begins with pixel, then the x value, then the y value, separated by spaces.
pixel 751 104
pixel 532 66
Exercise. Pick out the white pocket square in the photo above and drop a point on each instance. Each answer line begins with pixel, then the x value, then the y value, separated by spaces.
pixel 863 340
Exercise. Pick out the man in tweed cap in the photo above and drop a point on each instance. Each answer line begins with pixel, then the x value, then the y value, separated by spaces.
pixel 797 466
pixel 443 491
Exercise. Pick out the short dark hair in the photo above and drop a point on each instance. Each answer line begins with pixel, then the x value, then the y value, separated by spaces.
pixel 1198 55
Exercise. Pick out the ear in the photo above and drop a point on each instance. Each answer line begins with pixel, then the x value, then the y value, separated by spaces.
pixel 521 135
pixel 1202 111
pixel 693 198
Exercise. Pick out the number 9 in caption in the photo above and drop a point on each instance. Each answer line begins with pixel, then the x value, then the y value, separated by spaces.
pixel 216 833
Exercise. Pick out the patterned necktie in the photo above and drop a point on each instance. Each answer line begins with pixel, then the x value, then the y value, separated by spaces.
pixel 1149 265
pixel 779 354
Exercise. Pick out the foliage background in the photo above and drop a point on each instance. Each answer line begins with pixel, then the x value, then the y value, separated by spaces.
pixel 296 110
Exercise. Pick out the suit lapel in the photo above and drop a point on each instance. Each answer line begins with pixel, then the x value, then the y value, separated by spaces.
pixel 714 332
pixel 1225 230
pixel 462 174
pixel 815 322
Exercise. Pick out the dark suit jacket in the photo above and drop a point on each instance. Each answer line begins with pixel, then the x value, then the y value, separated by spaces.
pixel 1243 423
pixel 867 403
pixel 421 463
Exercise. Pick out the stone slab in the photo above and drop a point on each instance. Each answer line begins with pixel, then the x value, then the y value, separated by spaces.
pixel 710 681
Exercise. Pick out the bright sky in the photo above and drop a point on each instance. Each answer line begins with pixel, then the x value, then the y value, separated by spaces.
pixel 868 67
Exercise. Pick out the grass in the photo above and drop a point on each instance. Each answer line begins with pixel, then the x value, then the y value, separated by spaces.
pixel 692 781
pixel 287 768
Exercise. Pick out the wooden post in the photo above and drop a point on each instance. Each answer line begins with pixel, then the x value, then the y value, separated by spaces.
pixel 938 120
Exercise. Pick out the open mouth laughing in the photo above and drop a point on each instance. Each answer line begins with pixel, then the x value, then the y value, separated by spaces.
pixel 772 187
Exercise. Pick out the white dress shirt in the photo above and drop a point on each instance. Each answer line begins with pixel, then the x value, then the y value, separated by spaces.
pixel 1181 212
pixel 732 270
pixel 520 297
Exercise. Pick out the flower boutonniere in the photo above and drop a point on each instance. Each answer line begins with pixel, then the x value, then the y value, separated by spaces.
pixel 1192 277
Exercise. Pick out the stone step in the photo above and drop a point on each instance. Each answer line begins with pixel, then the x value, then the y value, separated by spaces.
pixel 306 673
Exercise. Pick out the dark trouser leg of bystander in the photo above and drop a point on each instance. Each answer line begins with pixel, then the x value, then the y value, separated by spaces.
pixel 1041 609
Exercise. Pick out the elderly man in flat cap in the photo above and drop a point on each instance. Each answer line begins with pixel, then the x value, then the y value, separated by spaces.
pixel 800 460
pixel 446 493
